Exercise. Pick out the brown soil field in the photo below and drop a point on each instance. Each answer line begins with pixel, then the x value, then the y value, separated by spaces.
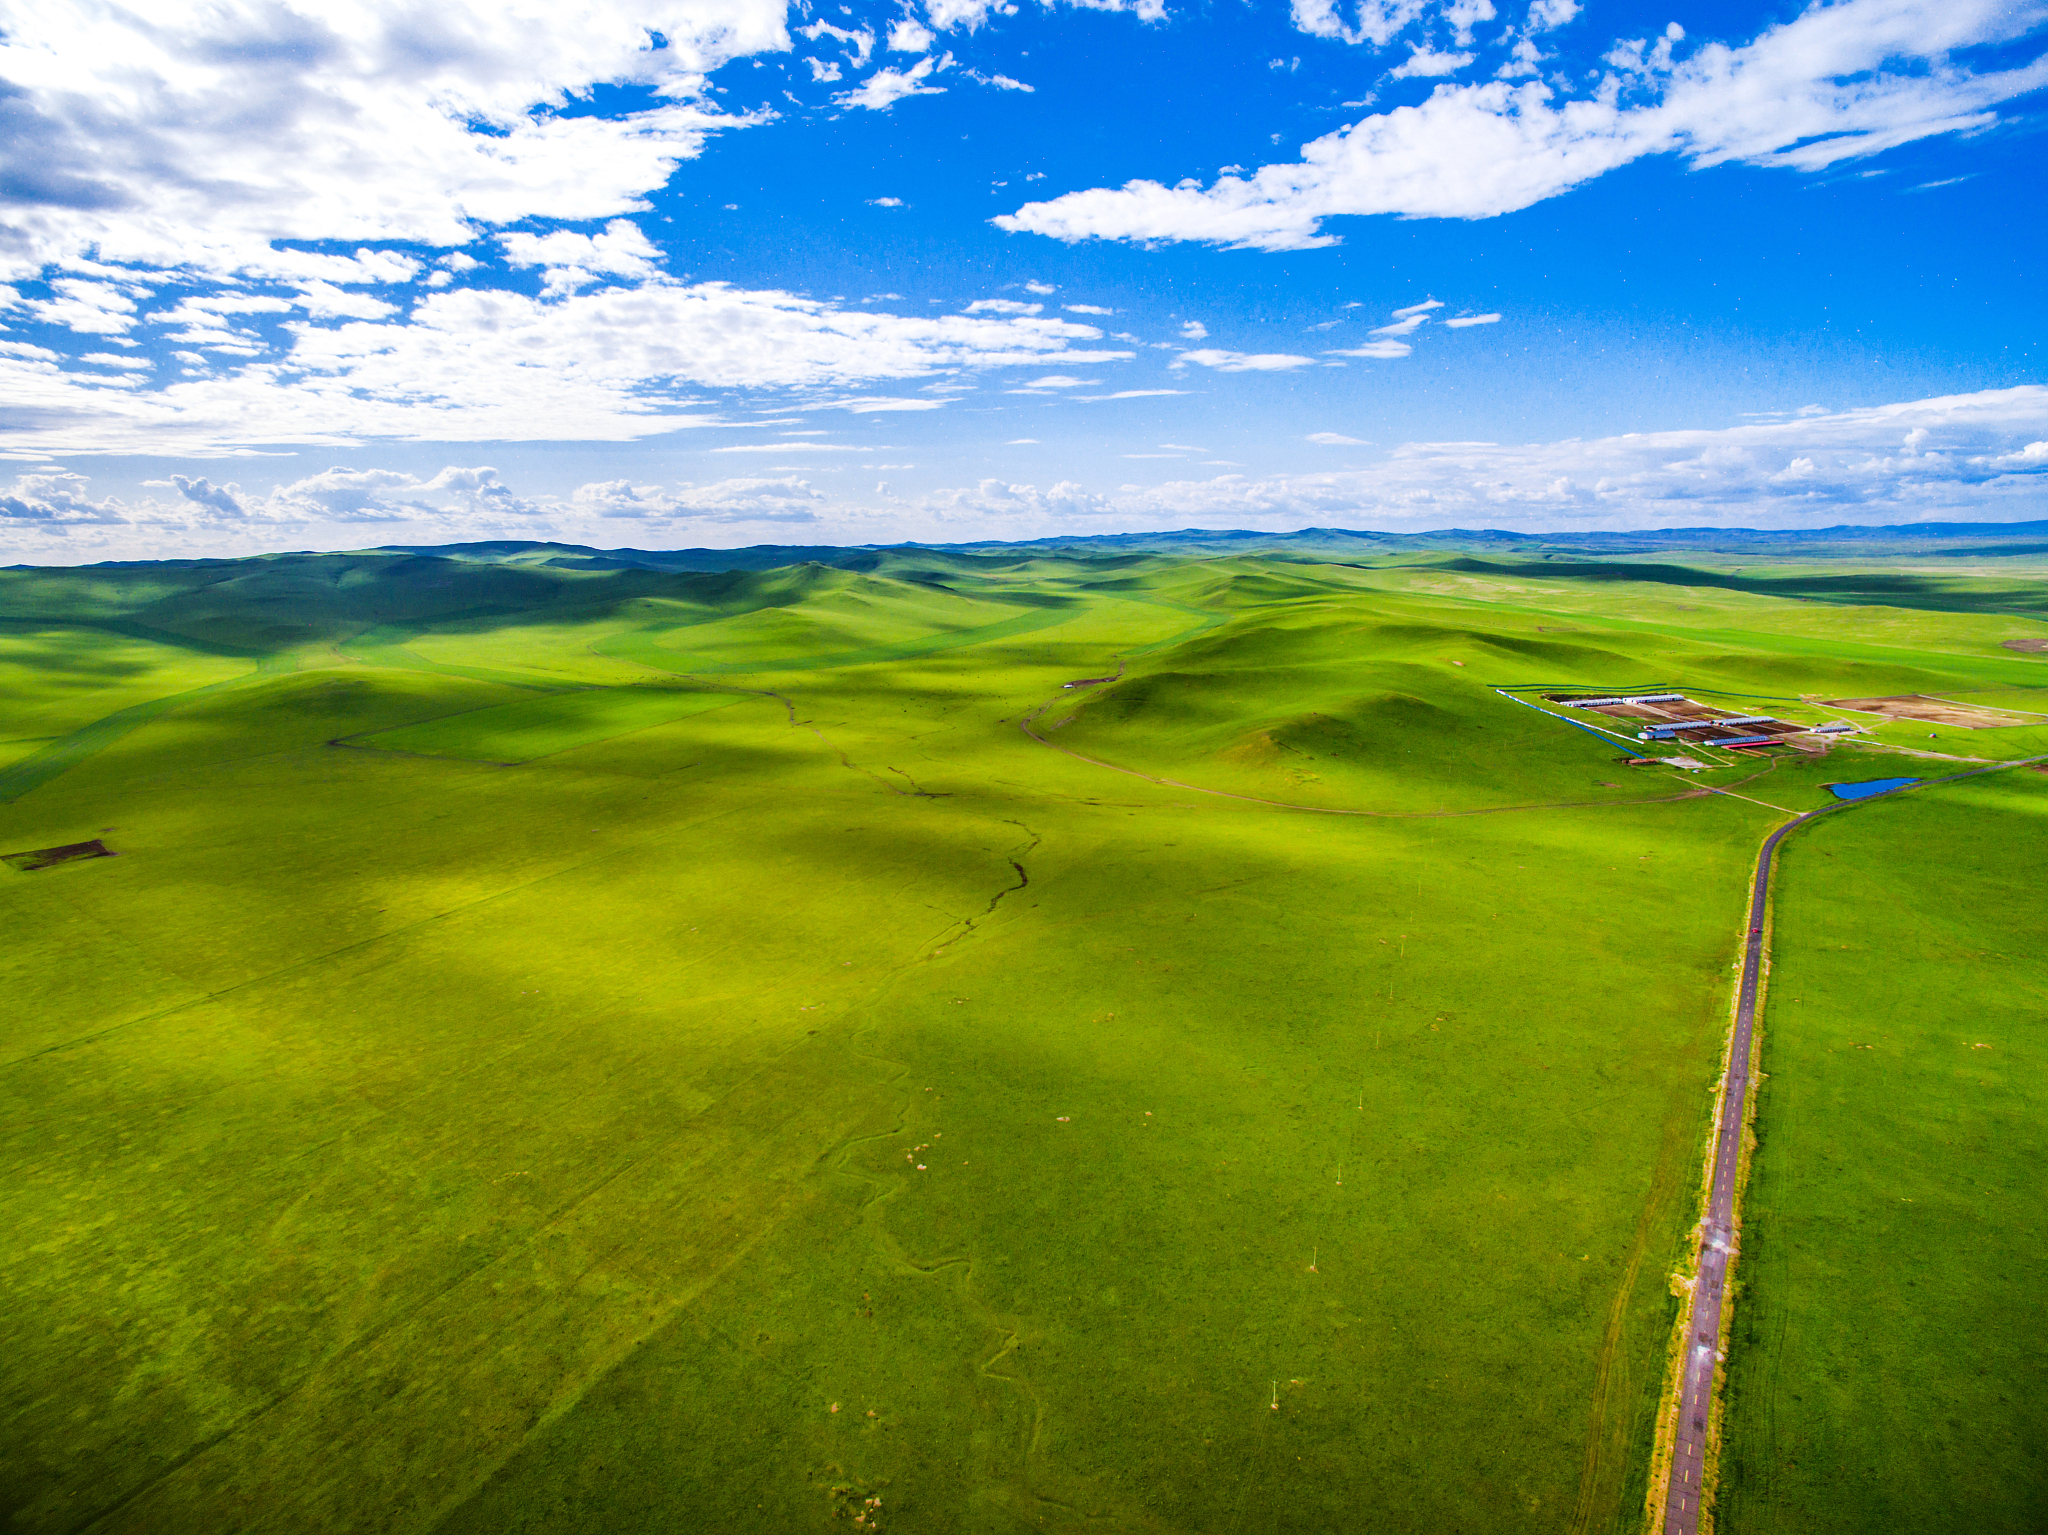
pixel 44 857
pixel 1934 711
pixel 2031 647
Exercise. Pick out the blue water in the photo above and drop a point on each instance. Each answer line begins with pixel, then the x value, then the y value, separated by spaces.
pixel 1868 787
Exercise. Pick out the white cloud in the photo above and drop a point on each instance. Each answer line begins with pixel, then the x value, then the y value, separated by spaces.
pixel 1132 394
pixel 1547 15
pixel 1095 309
pixel 1403 327
pixel 970 14
pixel 1245 362
pixel 1005 83
pixel 1423 64
pixel 470 365
pixel 1422 308
pixel 867 405
pixel 1002 306
pixel 1961 457
pixel 1966 457
pixel 1464 15
pixel 861 41
pixel 194 133
pixel 1337 440
pixel 323 301
pixel 1043 288
pixel 1060 381
pixel 1194 330
pixel 999 502
pixel 1020 442
pixel 909 36
pixel 225 499
pixel 885 87
pixel 1838 83
pixel 1375 21
pixel 1463 320
pixel 1522 62
pixel 86 308
pixel 886 202
pixel 575 260
pixel 792 447
pixel 53 501
pixel 738 500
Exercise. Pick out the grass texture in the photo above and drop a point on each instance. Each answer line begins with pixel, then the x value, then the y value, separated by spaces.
pixel 568 1050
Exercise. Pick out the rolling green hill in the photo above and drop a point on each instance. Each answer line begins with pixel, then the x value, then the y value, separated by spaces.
pixel 1130 1040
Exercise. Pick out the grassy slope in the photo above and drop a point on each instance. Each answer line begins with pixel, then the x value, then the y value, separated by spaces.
pixel 1888 1371
pixel 438 1144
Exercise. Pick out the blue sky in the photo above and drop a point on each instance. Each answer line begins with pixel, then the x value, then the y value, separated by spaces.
pixel 728 272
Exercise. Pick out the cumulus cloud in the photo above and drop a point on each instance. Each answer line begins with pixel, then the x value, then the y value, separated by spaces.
pixel 1979 457
pixel 1002 306
pixel 1095 309
pixel 1960 456
pixel 885 87
pixel 195 133
pixel 1373 21
pixel 88 308
pixel 576 260
pixel 226 499
pixel 1423 63
pixel 1838 83
pixel 739 500
pixel 861 40
pixel 971 14
pixel 51 501
pixel 909 36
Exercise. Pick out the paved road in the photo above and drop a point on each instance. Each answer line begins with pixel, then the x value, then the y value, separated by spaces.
pixel 1717 1230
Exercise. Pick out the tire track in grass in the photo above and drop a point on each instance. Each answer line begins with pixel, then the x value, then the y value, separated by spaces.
pixel 1604 1470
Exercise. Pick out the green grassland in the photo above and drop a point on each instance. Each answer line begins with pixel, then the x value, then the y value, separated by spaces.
pixel 1889 1370
pixel 575 1048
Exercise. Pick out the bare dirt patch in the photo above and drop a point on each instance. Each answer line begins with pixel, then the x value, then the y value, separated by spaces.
pixel 1933 711
pixel 45 857
pixel 2027 647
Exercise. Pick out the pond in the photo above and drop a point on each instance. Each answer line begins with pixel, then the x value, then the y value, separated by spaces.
pixel 1868 787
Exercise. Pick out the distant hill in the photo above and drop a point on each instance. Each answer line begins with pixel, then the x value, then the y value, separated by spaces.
pixel 1982 539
